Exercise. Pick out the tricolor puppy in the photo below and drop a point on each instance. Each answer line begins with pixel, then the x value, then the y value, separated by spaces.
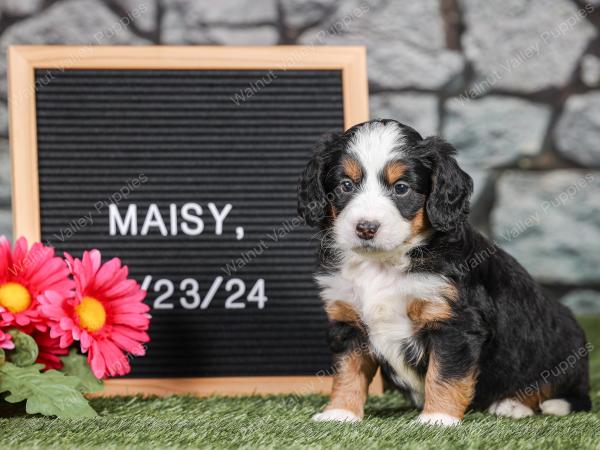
pixel 402 293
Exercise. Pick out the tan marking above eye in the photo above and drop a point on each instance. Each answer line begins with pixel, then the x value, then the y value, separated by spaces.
pixel 352 169
pixel 393 171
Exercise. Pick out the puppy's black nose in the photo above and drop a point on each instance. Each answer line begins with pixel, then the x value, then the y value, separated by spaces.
pixel 366 230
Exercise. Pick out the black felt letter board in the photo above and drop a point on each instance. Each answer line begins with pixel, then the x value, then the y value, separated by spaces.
pixel 169 150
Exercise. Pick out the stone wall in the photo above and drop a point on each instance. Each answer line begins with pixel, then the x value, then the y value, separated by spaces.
pixel 515 85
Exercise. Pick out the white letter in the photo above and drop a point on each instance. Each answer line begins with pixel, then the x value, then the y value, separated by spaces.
pixel 115 220
pixel 154 219
pixel 173 211
pixel 185 215
pixel 219 218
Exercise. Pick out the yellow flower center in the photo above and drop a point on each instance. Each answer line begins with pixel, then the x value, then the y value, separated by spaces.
pixel 15 297
pixel 92 314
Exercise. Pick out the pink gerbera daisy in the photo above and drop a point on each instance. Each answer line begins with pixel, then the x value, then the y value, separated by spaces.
pixel 49 350
pixel 107 314
pixel 26 274
pixel 6 341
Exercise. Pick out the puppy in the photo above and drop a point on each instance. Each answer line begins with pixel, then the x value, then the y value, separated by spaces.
pixel 409 286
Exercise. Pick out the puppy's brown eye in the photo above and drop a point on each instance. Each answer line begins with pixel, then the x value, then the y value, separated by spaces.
pixel 347 185
pixel 401 189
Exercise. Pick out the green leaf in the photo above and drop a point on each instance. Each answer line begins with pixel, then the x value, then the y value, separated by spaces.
pixel 26 350
pixel 50 393
pixel 76 365
pixel 2 356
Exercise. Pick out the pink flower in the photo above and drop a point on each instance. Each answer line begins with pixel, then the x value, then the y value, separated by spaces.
pixel 49 350
pixel 26 274
pixel 107 314
pixel 6 341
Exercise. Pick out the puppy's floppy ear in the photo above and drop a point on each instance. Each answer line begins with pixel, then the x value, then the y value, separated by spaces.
pixel 448 203
pixel 312 199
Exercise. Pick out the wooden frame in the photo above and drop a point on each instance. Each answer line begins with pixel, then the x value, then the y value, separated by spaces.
pixel 23 60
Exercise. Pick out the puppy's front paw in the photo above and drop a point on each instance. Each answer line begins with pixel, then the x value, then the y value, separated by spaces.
pixel 439 419
pixel 336 415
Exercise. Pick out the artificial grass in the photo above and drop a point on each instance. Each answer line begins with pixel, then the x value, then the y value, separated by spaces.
pixel 283 422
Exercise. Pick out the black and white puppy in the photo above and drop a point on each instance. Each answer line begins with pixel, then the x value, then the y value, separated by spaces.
pixel 402 292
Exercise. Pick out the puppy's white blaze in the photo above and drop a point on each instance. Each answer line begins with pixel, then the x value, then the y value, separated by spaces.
pixel 555 407
pixel 374 143
pixel 439 419
pixel 510 407
pixel 374 146
pixel 336 415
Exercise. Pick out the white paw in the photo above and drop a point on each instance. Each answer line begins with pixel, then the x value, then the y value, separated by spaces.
pixel 555 407
pixel 336 415
pixel 439 419
pixel 509 407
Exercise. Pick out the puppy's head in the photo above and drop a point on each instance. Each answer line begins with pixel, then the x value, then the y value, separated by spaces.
pixel 382 188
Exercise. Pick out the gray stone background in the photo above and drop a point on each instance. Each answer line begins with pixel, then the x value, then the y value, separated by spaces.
pixel 514 84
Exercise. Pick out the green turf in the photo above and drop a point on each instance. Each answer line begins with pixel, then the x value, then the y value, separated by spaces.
pixel 282 422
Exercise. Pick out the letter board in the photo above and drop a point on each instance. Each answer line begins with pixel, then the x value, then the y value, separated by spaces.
pixel 183 161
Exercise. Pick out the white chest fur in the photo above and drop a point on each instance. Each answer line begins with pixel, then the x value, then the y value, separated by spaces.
pixel 380 293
